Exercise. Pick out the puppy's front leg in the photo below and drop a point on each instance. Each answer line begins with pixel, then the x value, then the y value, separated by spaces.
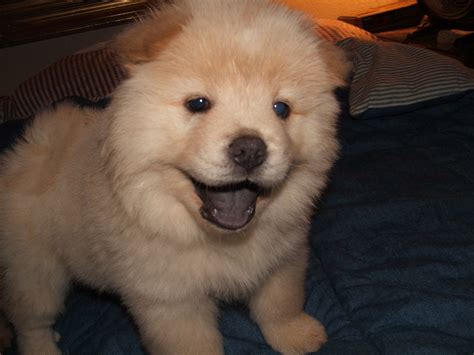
pixel 277 307
pixel 178 328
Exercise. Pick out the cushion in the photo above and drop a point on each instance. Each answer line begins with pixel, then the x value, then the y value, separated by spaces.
pixel 91 75
pixel 94 74
pixel 401 78
pixel 335 30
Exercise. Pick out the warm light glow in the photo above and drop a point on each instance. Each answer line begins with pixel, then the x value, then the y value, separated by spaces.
pixel 335 8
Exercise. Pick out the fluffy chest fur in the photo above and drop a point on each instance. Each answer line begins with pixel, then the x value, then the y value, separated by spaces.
pixel 111 251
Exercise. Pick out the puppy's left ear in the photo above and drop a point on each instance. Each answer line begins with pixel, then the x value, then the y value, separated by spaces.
pixel 338 64
pixel 143 41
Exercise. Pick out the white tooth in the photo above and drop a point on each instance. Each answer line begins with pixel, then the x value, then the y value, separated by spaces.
pixel 250 210
pixel 214 211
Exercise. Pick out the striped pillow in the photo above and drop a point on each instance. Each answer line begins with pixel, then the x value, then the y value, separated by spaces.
pixel 335 30
pixel 401 77
pixel 94 74
pixel 91 75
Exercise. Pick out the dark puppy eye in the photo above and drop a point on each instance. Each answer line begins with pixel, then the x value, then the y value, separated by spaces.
pixel 199 104
pixel 281 109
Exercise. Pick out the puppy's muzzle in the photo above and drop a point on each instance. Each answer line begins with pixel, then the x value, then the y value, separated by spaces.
pixel 232 206
pixel 248 152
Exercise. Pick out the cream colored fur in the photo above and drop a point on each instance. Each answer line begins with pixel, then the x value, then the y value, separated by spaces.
pixel 105 197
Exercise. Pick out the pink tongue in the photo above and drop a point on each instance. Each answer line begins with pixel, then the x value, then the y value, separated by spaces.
pixel 228 209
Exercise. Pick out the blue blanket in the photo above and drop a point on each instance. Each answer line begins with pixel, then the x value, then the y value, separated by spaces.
pixel 392 267
pixel 393 241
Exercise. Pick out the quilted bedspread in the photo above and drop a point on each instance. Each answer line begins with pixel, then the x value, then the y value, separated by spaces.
pixel 392 267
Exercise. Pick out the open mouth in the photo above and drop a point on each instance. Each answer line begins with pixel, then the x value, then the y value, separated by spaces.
pixel 230 206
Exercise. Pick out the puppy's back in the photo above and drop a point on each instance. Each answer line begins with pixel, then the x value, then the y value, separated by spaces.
pixel 37 159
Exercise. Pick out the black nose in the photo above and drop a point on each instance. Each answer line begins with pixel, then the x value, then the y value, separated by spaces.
pixel 248 152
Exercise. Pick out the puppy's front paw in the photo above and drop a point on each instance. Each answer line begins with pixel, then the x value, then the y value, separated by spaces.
pixel 40 342
pixel 299 335
pixel 45 348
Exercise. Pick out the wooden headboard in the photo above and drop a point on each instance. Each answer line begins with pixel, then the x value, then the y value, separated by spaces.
pixel 33 20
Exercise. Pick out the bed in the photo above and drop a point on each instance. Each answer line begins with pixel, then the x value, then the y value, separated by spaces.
pixel 392 239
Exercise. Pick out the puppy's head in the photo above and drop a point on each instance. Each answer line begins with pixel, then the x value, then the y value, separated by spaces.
pixel 229 112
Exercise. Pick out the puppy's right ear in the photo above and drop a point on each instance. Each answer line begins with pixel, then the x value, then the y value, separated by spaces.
pixel 143 41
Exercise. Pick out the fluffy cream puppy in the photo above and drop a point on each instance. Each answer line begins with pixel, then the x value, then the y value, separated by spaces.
pixel 195 184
